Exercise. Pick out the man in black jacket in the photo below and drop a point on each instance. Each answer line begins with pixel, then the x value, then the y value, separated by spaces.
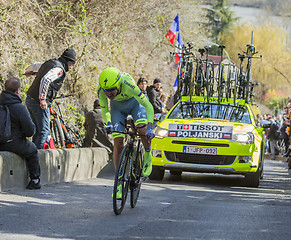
pixel 21 127
pixel 48 81
pixel 153 95
pixel 273 136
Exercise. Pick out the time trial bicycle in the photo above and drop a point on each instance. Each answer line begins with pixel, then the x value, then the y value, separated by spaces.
pixel 129 171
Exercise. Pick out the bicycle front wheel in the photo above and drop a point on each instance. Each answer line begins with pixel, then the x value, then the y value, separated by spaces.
pixel 57 133
pixel 122 178
pixel 135 182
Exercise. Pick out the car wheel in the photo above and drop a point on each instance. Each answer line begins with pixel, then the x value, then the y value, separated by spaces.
pixel 252 179
pixel 176 172
pixel 157 173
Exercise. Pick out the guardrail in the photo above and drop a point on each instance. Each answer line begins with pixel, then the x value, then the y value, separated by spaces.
pixel 57 165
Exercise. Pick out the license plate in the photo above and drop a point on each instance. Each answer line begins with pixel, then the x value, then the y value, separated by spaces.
pixel 200 150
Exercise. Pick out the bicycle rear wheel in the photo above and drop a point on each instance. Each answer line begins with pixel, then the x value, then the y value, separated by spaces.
pixel 135 182
pixel 57 133
pixel 122 175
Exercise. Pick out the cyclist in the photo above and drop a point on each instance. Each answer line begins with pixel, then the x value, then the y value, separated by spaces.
pixel 125 99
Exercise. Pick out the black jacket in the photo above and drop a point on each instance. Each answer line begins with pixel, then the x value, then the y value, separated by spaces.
pixel 273 133
pixel 21 123
pixel 55 85
pixel 154 99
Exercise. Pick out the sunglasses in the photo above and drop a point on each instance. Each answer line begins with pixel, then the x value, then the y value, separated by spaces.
pixel 109 90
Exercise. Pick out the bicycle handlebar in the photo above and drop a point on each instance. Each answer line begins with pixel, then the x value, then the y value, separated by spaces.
pixel 129 133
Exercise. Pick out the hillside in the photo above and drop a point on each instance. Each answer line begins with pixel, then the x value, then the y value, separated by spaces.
pixel 128 34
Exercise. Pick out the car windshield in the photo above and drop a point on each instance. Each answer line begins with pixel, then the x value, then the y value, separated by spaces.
pixel 186 110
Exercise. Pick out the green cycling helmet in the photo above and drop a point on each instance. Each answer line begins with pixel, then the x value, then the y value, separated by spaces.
pixel 110 78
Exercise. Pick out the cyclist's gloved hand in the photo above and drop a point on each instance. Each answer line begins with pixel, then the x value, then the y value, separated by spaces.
pixel 108 128
pixel 149 132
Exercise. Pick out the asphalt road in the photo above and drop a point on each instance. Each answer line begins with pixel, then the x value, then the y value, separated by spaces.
pixel 194 206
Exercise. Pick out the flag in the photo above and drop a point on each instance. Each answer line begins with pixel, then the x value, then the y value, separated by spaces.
pixel 175 84
pixel 173 29
pixel 179 46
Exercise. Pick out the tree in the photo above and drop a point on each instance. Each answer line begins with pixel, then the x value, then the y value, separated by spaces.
pixel 220 19
pixel 272 72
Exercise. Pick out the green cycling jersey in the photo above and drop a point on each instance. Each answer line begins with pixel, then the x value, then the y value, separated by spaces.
pixel 128 89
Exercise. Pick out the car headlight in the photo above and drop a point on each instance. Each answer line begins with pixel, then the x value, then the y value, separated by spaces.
pixel 244 138
pixel 161 132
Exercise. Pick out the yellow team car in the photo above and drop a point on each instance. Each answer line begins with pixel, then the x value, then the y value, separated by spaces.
pixel 206 136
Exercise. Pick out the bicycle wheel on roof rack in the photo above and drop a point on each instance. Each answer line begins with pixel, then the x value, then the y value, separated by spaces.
pixel 229 81
pixel 57 133
pixel 221 81
pixel 198 78
pixel 180 80
pixel 235 88
pixel 189 77
pixel 211 79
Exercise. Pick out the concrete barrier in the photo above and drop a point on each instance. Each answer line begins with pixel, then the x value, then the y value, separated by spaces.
pixel 57 165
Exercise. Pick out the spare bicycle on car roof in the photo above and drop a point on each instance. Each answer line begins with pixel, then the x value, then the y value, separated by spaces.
pixel 223 80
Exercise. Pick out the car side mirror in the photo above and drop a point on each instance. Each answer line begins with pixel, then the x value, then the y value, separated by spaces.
pixel 265 124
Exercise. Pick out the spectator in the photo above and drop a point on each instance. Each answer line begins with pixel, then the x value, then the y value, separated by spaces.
pixel 94 126
pixel 21 128
pixel 153 95
pixel 285 114
pixel 142 84
pixel 273 136
pixel 268 149
pixel 284 136
pixel 287 123
pixel 279 120
pixel 48 81
pixel 164 99
pixel 258 119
